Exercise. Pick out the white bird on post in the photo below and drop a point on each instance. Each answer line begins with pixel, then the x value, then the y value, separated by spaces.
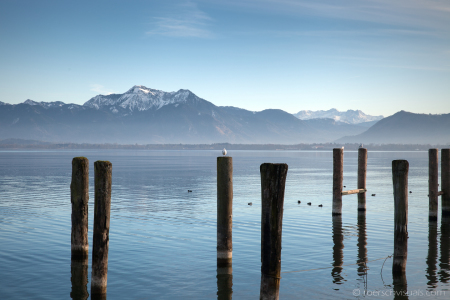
pixel 224 151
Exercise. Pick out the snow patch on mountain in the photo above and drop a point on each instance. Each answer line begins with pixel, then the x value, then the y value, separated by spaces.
pixel 44 104
pixel 142 98
pixel 349 116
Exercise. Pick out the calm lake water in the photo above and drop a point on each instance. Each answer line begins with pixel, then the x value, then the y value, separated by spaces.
pixel 163 239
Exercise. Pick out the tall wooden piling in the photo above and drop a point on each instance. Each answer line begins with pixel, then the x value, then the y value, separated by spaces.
pixel 400 169
pixel 362 172
pixel 102 208
pixel 79 197
pixel 224 211
pixel 338 176
pixel 433 186
pixel 273 182
pixel 445 181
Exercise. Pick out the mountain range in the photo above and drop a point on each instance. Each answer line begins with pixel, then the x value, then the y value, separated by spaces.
pixel 349 116
pixel 143 115
pixel 406 128
pixel 148 116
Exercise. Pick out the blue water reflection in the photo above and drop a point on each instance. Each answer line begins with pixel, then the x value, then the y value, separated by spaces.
pixel 163 239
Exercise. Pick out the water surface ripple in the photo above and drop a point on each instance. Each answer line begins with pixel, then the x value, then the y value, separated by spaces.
pixel 163 239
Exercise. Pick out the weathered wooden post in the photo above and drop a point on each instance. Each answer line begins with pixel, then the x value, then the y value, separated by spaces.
pixel 445 181
pixel 433 186
pixel 362 171
pixel 400 169
pixel 79 197
pixel 273 182
pixel 224 211
pixel 102 209
pixel 338 176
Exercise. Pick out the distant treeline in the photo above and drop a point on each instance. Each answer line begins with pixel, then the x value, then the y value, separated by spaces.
pixel 28 144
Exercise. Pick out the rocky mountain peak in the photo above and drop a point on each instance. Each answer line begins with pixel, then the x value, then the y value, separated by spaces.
pixel 141 98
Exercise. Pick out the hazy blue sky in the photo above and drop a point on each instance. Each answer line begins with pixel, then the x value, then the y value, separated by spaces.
pixel 380 56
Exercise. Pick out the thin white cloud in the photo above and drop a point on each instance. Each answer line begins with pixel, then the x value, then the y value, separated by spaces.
pixel 429 14
pixel 350 33
pixel 100 89
pixel 188 21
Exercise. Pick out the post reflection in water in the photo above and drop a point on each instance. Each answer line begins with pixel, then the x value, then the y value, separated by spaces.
pixel 400 287
pixel 432 254
pixel 338 252
pixel 224 282
pixel 362 247
pixel 98 297
pixel 444 273
pixel 79 279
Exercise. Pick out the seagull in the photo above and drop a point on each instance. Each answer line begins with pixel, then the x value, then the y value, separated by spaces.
pixel 224 151
pixel 361 145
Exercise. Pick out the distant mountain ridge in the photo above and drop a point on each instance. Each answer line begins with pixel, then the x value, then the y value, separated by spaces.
pixel 349 116
pixel 143 115
pixel 406 128
pixel 44 104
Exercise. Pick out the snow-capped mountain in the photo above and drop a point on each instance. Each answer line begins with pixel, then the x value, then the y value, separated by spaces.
pixel 141 98
pixel 44 104
pixel 349 116
pixel 143 115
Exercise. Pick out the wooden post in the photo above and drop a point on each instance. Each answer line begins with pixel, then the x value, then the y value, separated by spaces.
pixel 273 182
pixel 433 186
pixel 362 171
pixel 79 279
pixel 338 176
pixel 79 197
pixel 102 208
pixel 445 181
pixel 224 211
pixel 400 170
